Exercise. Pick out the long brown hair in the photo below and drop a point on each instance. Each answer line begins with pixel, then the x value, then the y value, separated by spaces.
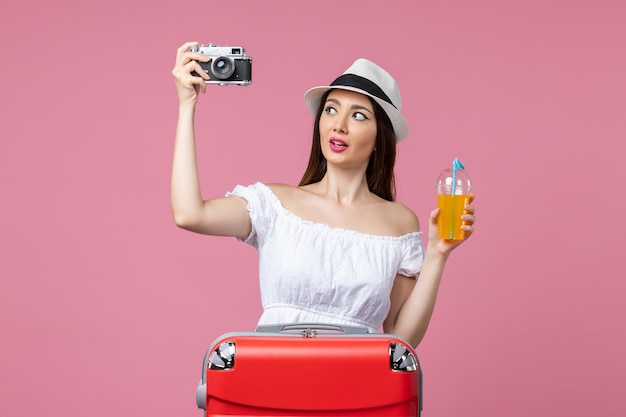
pixel 380 176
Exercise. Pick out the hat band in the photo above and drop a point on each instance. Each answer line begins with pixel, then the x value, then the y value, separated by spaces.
pixel 362 83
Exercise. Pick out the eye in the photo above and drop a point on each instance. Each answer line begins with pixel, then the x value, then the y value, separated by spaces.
pixel 359 116
pixel 330 110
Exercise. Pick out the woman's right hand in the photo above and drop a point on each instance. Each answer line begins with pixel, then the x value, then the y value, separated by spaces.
pixel 188 85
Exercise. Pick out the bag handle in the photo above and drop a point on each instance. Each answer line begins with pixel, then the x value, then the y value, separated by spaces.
pixel 311 329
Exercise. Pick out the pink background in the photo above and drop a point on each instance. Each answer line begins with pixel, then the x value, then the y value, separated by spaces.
pixel 106 308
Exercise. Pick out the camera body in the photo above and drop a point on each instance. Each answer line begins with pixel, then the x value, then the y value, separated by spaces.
pixel 228 64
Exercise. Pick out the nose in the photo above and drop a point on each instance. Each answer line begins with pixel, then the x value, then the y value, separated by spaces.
pixel 340 124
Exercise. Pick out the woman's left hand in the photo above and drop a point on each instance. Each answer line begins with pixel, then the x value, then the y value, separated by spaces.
pixel 445 246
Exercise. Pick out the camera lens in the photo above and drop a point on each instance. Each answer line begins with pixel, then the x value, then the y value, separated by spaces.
pixel 222 67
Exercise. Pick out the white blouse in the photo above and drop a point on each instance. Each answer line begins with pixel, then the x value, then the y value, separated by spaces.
pixel 314 273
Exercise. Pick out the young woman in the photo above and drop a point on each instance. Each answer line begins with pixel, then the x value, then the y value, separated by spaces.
pixel 337 248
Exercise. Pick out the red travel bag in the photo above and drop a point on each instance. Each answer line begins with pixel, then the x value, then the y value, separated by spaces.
pixel 310 370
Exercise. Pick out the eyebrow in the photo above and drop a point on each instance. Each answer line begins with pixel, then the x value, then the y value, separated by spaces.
pixel 354 106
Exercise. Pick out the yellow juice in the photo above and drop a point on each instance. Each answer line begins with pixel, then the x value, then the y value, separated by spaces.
pixel 449 221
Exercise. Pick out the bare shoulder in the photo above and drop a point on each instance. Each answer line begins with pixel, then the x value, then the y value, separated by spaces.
pixel 284 191
pixel 404 219
pixel 297 200
pixel 289 195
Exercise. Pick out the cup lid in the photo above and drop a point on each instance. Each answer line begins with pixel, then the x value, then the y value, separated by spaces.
pixel 447 182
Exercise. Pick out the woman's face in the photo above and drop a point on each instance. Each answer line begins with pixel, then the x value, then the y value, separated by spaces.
pixel 347 129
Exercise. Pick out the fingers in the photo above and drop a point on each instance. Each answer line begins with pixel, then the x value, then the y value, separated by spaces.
pixel 467 230
pixel 189 75
pixel 469 210
pixel 194 69
pixel 468 219
pixel 184 48
pixel 469 214
pixel 184 54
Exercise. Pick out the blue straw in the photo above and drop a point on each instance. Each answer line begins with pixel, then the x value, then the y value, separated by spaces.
pixel 456 164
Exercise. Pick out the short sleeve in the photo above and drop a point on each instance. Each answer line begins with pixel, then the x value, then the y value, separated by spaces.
pixel 412 256
pixel 259 210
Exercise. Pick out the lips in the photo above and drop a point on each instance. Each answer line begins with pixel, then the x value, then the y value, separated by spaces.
pixel 337 145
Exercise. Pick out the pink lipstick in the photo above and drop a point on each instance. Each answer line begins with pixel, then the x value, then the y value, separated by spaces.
pixel 337 145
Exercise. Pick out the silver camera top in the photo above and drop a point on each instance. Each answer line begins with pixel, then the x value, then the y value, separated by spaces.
pixel 211 49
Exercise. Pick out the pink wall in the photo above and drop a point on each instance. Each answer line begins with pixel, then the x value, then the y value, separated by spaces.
pixel 106 307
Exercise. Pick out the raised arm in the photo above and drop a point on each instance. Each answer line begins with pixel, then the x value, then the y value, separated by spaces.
pixel 413 301
pixel 226 216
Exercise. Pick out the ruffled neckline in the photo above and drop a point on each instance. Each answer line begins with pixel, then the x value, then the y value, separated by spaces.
pixel 323 226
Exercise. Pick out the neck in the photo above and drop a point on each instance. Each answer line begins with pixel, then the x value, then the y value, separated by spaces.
pixel 345 188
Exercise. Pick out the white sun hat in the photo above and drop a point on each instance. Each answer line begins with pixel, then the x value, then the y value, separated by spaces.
pixel 365 77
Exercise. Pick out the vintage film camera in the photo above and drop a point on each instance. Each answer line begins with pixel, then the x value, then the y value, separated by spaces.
pixel 228 64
